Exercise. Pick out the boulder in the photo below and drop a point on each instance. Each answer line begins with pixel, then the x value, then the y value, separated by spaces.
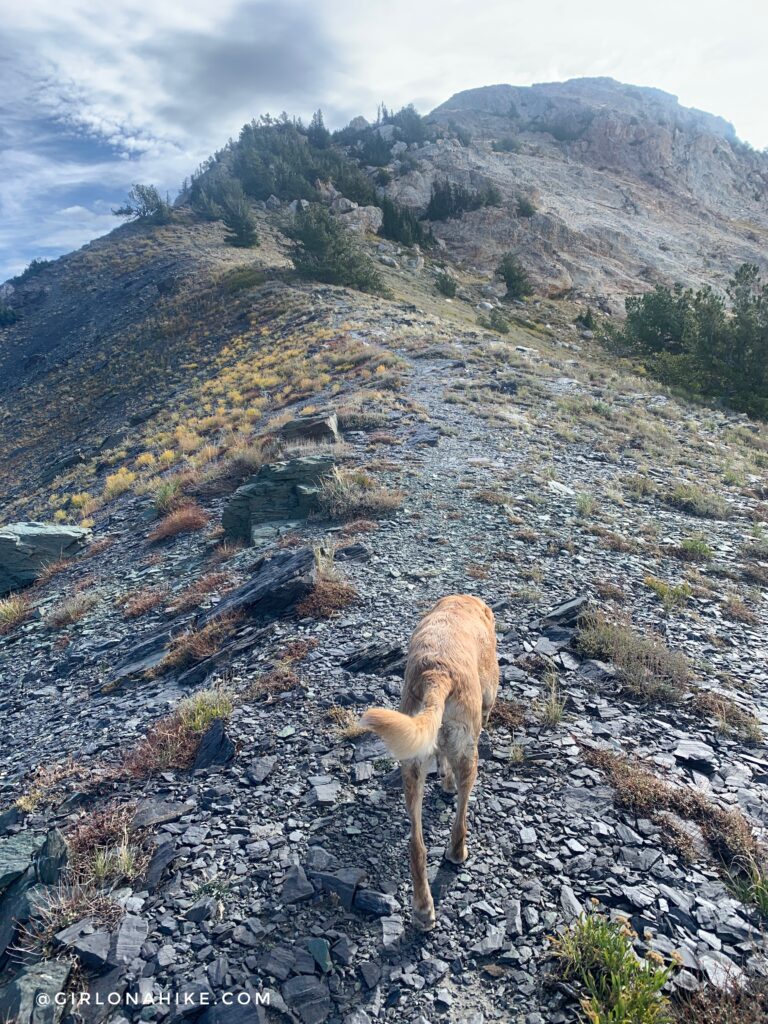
pixel 31 997
pixel 363 220
pixel 277 583
pixel 323 426
pixel 279 491
pixel 26 548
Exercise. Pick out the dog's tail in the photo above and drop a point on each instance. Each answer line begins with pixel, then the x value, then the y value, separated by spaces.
pixel 415 736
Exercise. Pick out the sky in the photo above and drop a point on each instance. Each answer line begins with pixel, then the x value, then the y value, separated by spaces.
pixel 94 97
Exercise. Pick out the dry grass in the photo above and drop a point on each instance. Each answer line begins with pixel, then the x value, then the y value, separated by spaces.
pixel 350 494
pixel 185 519
pixel 737 611
pixel 346 721
pixel 139 602
pixel 735 1004
pixel 103 847
pixel 280 679
pixel 173 741
pixel 550 710
pixel 727 833
pixel 731 719
pixel 694 501
pixel 297 650
pixel 13 611
pixel 44 782
pixel 52 569
pixel 507 714
pixel 71 610
pixel 359 526
pixel 647 667
pixel 489 497
pixel 326 598
pixel 214 582
pixel 609 591
pixel 197 644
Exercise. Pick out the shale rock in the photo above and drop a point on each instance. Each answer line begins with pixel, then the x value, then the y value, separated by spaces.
pixel 26 548
pixel 280 491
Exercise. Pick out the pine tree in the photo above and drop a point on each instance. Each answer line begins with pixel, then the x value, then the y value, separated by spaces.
pixel 514 275
pixel 317 133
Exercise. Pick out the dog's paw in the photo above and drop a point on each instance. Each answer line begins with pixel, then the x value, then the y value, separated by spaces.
pixel 456 856
pixel 424 920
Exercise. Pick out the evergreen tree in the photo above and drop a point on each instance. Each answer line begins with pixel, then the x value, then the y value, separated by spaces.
pixel 238 218
pixel 144 202
pixel 317 133
pixel 324 251
pixel 514 275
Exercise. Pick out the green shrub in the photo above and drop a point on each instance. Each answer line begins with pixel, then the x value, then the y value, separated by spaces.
pixel 495 321
pixel 324 251
pixel 144 202
pixel 445 284
pixel 449 200
pixel 401 225
pixel 586 319
pixel 619 987
pixel 514 275
pixel 506 145
pixel 695 549
pixel 8 314
pixel 702 341
pixel 525 207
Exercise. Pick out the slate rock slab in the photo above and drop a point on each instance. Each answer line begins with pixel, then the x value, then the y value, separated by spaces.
pixel 377 660
pixel 323 426
pixel 278 582
pixel 29 997
pixel 26 548
pixel 216 748
pixel 279 491
pixel 309 997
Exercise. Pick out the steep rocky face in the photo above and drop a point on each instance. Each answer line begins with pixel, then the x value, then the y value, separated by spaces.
pixel 630 188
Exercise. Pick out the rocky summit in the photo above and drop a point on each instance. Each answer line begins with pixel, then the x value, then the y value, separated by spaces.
pixel 232 485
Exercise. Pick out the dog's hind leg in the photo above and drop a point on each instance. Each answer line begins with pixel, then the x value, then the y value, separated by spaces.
pixel 447 781
pixel 465 770
pixel 414 774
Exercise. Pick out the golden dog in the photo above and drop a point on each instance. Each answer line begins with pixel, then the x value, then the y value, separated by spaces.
pixel 451 680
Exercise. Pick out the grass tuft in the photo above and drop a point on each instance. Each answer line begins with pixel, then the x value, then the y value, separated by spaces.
pixel 350 494
pixel 696 502
pixel 185 519
pixel 173 741
pixel 618 986
pixel 13 611
pixel 647 667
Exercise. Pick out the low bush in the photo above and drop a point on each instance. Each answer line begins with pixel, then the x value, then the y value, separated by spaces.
pixel 646 666
pixel 185 519
pixel 618 986
pixel 173 741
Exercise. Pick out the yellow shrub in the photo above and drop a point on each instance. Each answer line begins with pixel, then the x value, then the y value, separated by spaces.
pixel 145 460
pixel 118 483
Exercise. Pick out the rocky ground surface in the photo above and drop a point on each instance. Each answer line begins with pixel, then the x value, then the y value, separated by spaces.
pixel 280 866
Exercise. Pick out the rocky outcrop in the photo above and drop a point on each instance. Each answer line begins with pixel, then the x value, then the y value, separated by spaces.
pixel 629 187
pixel 323 426
pixel 280 492
pixel 26 548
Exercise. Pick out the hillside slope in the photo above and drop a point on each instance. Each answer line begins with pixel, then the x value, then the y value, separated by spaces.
pixel 179 705
pixel 630 188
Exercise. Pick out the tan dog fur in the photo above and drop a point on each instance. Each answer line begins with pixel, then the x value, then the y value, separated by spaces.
pixel 451 680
